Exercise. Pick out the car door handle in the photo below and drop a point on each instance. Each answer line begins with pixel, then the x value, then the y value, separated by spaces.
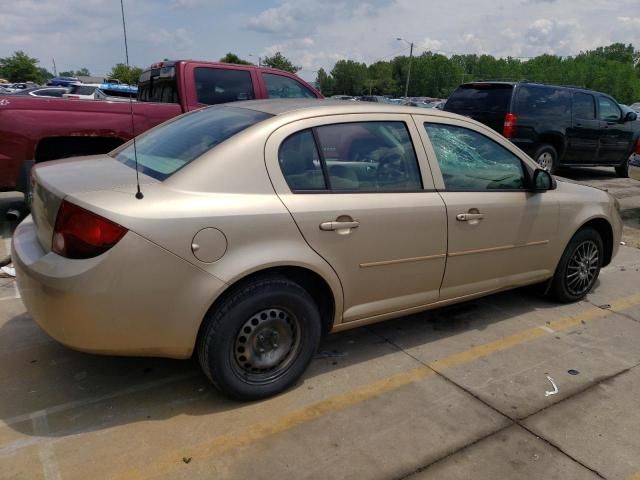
pixel 336 225
pixel 465 217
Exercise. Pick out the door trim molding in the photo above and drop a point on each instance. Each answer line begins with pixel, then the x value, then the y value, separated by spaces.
pixel 497 249
pixel 402 260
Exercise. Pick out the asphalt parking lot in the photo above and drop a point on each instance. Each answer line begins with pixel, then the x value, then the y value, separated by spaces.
pixel 463 392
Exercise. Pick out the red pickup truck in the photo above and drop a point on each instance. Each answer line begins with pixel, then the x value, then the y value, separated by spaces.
pixel 37 129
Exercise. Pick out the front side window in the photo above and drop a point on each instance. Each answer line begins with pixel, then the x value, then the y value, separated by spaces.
pixel 609 111
pixel 584 106
pixel 222 85
pixel 352 157
pixel 165 149
pixel 279 86
pixel 469 161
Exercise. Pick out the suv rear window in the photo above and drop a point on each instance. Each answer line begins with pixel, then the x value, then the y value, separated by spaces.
pixel 539 100
pixel 164 150
pixel 480 97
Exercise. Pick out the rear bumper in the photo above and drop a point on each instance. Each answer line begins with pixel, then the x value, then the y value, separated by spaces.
pixel 135 299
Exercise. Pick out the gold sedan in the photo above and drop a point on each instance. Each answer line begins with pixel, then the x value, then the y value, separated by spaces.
pixel 264 224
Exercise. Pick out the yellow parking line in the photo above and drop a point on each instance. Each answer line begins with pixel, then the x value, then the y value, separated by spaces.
pixel 270 427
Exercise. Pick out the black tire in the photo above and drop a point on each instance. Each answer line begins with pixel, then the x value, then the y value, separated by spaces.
pixel 568 283
pixel 290 312
pixel 622 171
pixel 547 157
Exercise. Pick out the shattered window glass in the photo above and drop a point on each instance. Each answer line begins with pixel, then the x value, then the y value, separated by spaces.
pixel 469 161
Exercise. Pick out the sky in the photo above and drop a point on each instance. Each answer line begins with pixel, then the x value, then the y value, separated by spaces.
pixel 312 33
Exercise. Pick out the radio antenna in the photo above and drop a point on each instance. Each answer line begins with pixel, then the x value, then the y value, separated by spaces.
pixel 139 195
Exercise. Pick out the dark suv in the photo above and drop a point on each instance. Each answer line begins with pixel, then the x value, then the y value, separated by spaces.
pixel 555 125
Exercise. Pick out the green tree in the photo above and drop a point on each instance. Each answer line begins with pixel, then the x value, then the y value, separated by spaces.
pixel 21 68
pixel 349 77
pixel 325 83
pixel 83 72
pixel 233 58
pixel 277 60
pixel 126 74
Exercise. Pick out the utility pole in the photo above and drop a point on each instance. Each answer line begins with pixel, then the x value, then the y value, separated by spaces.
pixel 55 72
pixel 406 86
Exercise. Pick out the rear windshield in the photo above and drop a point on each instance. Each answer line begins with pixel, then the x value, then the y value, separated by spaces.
pixel 158 85
pixel 164 150
pixel 480 97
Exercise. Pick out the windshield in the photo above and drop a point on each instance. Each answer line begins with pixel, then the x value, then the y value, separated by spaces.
pixel 165 149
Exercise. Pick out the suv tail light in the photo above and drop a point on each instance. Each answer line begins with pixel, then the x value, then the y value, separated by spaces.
pixel 80 233
pixel 510 121
pixel 638 146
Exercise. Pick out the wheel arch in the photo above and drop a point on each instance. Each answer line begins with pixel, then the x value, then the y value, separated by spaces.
pixel 605 230
pixel 328 301
pixel 555 139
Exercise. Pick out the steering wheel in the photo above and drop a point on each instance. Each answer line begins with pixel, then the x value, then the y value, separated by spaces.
pixel 391 168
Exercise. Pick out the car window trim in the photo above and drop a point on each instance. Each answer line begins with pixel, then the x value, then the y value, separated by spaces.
pixel 300 84
pixel 321 158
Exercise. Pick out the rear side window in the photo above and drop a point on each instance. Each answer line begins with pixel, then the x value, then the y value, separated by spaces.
pixel 352 157
pixel 543 101
pixel 483 97
pixel 220 85
pixel 82 89
pixel 469 161
pixel 279 86
pixel 584 106
pixel 164 150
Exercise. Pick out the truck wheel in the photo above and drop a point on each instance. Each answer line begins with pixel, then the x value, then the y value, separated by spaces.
pixel 260 339
pixel 579 266
pixel 622 171
pixel 547 157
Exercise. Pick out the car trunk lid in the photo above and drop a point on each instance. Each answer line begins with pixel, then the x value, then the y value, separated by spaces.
pixel 51 182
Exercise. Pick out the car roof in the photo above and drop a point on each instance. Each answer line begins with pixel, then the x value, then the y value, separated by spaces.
pixel 313 107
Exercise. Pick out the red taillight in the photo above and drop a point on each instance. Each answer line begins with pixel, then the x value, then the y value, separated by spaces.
pixel 80 233
pixel 638 146
pixel 510 121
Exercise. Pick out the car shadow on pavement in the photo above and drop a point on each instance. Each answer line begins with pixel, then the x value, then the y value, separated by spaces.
pixel 80 392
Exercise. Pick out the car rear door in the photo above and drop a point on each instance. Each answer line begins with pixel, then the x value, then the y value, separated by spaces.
pixel 362 195
pixel 583 137
pixel 500 234
pixel 616 137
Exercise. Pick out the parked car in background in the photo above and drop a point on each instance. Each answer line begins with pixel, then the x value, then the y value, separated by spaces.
pixel 343 97
pixel 4 91
pixel 84 91
pixel 635 107
pixel 439 104
pixel 374 98
pixel 16 87
pixel 55 92
pixel 62 81
pixel 391 234
pixel 556 125
pixel 34 130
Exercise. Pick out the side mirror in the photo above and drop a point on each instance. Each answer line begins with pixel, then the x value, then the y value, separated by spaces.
pixel 630 117
pixel 542 180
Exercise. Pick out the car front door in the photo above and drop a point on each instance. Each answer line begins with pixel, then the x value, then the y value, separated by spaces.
pixel 616 136
pixel 584 134
pixel 500 234
pixel 362 196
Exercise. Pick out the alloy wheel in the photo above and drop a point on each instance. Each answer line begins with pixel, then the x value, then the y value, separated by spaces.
pixel 545 160
pixel 582 268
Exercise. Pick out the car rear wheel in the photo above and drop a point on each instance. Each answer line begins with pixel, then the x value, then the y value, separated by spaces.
pixel 260 339
pixel 547 157
pixel 622 171
pixel 578 269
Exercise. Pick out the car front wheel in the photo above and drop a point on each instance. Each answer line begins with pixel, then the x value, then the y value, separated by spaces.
pixel 260 339
pixel 578 269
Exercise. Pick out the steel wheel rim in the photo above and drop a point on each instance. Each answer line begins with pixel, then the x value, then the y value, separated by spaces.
pixel 545 160
pixel 582 268
pixel 266 345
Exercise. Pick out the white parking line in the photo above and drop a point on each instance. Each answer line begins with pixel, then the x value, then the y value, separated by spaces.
pixel 45 450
